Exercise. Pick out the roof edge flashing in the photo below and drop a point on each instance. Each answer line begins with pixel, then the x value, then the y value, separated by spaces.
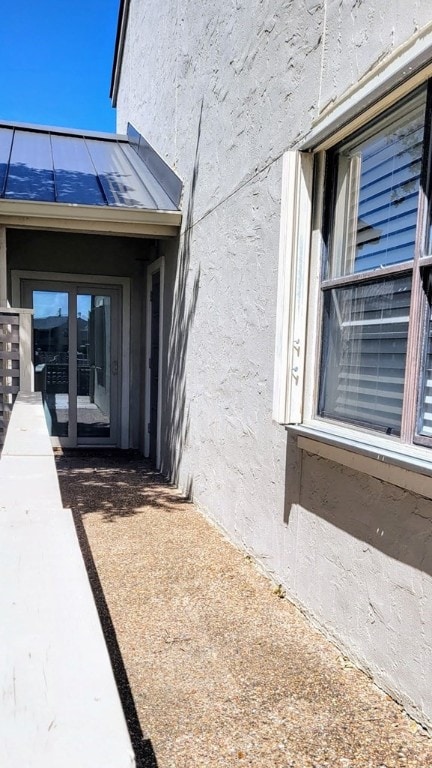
pixel 158 167
pixel 58 130
pixel 119 49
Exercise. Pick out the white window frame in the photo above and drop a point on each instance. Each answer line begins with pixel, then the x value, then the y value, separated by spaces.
pixel 293 282
pixel 299 296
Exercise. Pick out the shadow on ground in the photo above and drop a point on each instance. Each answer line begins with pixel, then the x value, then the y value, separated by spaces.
pixel 113 485
pixel 125 474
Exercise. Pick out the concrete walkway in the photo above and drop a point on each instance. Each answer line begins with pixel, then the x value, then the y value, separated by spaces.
pixel 59 704
pixel 222 671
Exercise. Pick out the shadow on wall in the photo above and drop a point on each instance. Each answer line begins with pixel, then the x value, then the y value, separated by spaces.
pixel 381 516
pixel 24 182
pixel 184 303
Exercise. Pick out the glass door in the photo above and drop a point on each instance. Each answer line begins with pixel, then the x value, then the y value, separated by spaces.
pixel 51 357
pixel 94 366
pixel 75 343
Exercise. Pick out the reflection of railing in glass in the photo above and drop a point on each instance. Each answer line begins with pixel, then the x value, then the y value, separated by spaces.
pixel 57 377
pixel 51 356
pixel 94 387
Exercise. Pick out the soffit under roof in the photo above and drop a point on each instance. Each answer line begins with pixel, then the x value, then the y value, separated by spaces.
pixel 49 165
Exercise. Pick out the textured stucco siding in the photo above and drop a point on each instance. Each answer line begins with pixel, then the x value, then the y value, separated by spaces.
pixel 221 90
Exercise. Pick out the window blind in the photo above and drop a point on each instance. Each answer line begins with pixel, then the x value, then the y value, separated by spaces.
pixel 373 226
pixel 366 330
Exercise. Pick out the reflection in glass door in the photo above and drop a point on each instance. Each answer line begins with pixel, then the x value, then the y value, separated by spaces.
pixel 75 359
pixel 93 365
pixel 51 356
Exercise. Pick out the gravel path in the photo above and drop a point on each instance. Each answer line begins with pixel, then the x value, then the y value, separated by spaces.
pixel 222 672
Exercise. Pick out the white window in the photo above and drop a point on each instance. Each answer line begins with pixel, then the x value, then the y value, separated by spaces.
pixel 376 307
pixel 354 333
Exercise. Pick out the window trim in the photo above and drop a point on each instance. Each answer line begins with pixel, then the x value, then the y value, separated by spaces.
pixel 410 470
pixel 405 464
pixel 418 302
pixel 293 281
pixel 397 75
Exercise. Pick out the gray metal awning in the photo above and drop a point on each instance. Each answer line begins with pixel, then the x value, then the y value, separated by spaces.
pixel 62 175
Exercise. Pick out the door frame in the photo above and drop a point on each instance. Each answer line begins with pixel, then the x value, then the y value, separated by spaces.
pixel 122 283
pixel 74 290
pixel 155 266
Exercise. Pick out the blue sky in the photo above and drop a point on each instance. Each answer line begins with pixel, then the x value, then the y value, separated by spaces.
pixel 56 62
pixel 53 303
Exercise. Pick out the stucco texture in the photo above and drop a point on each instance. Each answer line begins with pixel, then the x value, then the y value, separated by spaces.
pixel 222 90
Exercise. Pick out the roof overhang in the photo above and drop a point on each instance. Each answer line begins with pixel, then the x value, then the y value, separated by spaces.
pixel 119 48
pixel 87 218
pixel 109 182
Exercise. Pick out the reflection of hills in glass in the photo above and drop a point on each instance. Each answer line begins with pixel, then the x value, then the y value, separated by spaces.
pixel 49 323
pixel 51 339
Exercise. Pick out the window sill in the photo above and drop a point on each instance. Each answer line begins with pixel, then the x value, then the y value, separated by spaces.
pixel 406 466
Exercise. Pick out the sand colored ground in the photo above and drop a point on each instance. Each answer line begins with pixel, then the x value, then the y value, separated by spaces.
pixel 213 667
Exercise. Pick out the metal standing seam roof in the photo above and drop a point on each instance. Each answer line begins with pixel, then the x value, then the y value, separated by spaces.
pixel 84 168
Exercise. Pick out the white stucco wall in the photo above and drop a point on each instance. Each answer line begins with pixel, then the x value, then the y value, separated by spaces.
pixel 221 90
